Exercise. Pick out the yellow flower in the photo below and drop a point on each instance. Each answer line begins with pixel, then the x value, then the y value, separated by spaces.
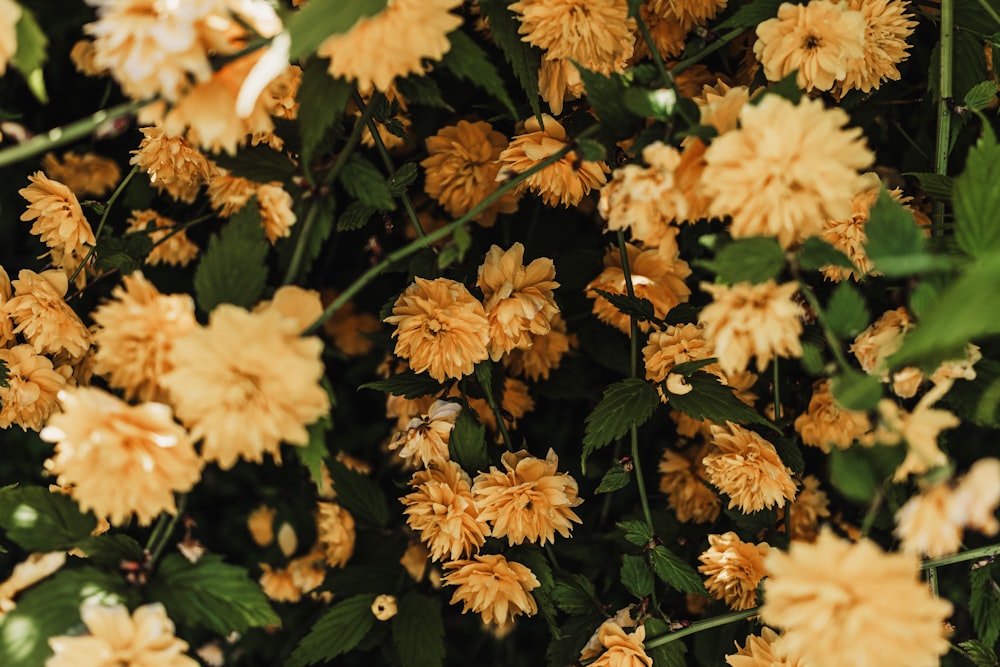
pixel 841 603
pixel 43 317
pixel 747 468
pixel 384 607
pixel 747 320
pixel 173 164
pixel 461 168
pixel 567 181
pixel 785 170
pixel 6 324
pixel 425 439
pixel 920 430
pixel 82 55
pixel 392 43
pixel 10 14
pixel 719 105
pixel 883 338
pixel 276 212
pixel 667 32
pixel 622 649
pixel 490 585
pixel 134 332
pixel 440 328
pixel 518 299
pixel 442 510
pixel 85 175
pixel 672 346
pixel 543 355
pixel 170 243
pixel 279 585
pixel 760 651
pixel 580 30
pixel 529 501
pixel 848 234
pixel 804 513
pixel 887 29
pixel 347 328
pixel 58 218
pixel 818 39
pixel 734 569
pixel 246 383
pixel 825 423
pixel 688 13
pixel 304 306
pixel 335 533
pixel 308 571
pixel 656 275
pixel 977 496
pixel 30 571
pixel 260 523
pixel 145 637
pixel 120 459
pixel 32 390
pixel 681 478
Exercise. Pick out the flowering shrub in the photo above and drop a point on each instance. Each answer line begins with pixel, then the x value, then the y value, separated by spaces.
pixel 568 332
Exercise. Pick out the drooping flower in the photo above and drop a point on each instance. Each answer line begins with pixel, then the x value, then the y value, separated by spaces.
pixel 682 475
pixel 116 637
pixel 565 182
pixel 518 299
pixel 82 56
pixel 977 496
pixel 825 423
pixel 442 510
pixel 461 168
pixel 497 589
pixel 785 170
pixel 32 390
pixel 761 651
pixel 335 533
pixel 440 328
pixel 622 649
pixel 425 439
pixel 888 26
pixel 120 460
pixel 543 355
pixel 529 500
pixel 803 514
pixel 818 39
pixel 134 332
pixel 581 30
pixel 171 244
pixel 43 317
pixel 842 603
pixel 36 567
pixel 392 43
pixel 173 164
pixel 746 320
pixel 747 468
pixel 58 218
pixel 85 175
pixel 10 14
pixel 656 275
pixel 246 383
pixel 733 569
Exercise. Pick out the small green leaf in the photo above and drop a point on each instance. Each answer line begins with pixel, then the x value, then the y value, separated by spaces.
pixel 523 58
pixel 360 495
pixel 627 403
pixel 32 45
pixel 39 520
pixel 402 179
pixel 260 164
pixel 615 478
pixel 636 577
pixel 980 653
pixel 418 632
pixel 574 593
pixel 857 391
pixel 124 255
pixel 365 182
pixel 407 384
pixel 709 399
pixel 787 88
pixel 636 532
pixel 754 260
pixel 340 629
pixel 468 62
pixel 659 104
pixel 234 267
pixel 847 313
pixel 936 186
pixel 354 217
pixel 981 95
pixel 467 445
pixel 664 655
pixel 322 102
pixel 817 253
pixel 607 96
pixel 789 452
pixel 315 452
pixel 896 245
pixel 976 198
pixel 210 594
pixel 672 570
pixel 631 306
pixel 310 26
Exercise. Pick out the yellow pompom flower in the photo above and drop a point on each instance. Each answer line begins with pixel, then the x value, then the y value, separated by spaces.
pixel 497 589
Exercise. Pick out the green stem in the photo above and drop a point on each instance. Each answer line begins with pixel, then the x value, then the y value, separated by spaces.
pixel 299 252
pixel 831 339
pixel 708 50
pixel 777 392
pixel 695 628
pixel 498 415
pixel 943 141
pixel 349 145
pixel 932 580
pixel 104 218
pixel 972 554
pixel 66 134
pixel 876 505
pixel 655 52
pixel 157 549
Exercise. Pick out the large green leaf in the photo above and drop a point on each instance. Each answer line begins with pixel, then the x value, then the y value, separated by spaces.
pixel 976 197
pixel 469 62
pixel 636 577
pixel 984 602
pixel 418 631
pixel 674 571
pixel 340 629
pixel 467 445
pixel 606 95
pixel 755 260
pixel 39 520
pixel 234 268
pixel 627 403
pixel 710 399
pixel 896 246
pixel 322 101
pixel 319 19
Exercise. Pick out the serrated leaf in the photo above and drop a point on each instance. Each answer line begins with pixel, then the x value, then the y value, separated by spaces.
pixel 751 14
pixel 32 52
pixel 467 445
pixel 523 58
pixel 532 558
pixel 754 260
pixel 418 632
pixel 314 453
pixel 895 245
pixel 210 594
pixel 363 181
pixel 354 217
pixel 407 384
pixel 984 603
pixel 636 532
pixel 110 550
pixel 39 520
pixel 340 629
pixel 627 403
pixel 664 655
pixel 469 62
pixel 260 164
pixel 979 653
pixel 631 306
pixel 847 312
pixel 322 101
pixel 817 253
pixel 574 594
pixel 615 478
pixel 421 90
pixel 402 179
pixel 310 26
pixel 936 186
pixel 672 570
pixel 359 495
pixel 636 577
pixel 124 255
pixel 233 269
pixel 976 198
pixel 606 95
pixel 981 94
pixel 709 399
pixel 856 391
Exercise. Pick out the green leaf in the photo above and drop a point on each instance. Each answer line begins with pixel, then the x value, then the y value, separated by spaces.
pixel 354 217
pixel 615 478
pixel 857 391
pixel 322 101
pixel 422 90
pixel 124 255
pixel 403 178
pixel 51 608
pixel 310 26
pixel 111 551
pixel 592 150
pixel 340 629
pixel 32 45
pixel 936 186
pixel 787 88
pixel 574 593
pixel 418 631
pixel 365 182
pixel 631 306
pixel 858 472
pixel 467 445
pixel 670 568
pixel 709 399
pixel 976 198
pixel 754 260
pixel 979 97
pixel 750 15
pixel 817 253
pixel 210 594
pixel 789 453
pixel 39 520
pixel 664 655
pixel 234 267
pixel 636 532
pixel 627 403
pixel 260 164
pixel 636 577
pixel 469 62
pixel 315 452
pixel 896 245
pixel 523 58
pixel 607 96
pixel 407 384
pixel 812 358
pixel 847 313
pixel 659 104
pixel 984 602
pixel 360 495
pixel 981 654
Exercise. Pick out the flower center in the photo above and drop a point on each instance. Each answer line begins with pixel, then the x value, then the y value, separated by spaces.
pixel 812 42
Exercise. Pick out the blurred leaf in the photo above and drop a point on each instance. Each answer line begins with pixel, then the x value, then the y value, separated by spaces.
pixel 979 97
pixel 896 245
pixel 111 551
pixel 787 88
pixel 672 570
pixel 980 653
pixel 524 59
pixel 32 45
pixel 468 443
pixel 858 472
pixel 310 26
pixel 812 358
pixel 615 478
pixel 664 655
pixel 751 15
pixel 977 400
pixel 976 198
pixel 817 253
pixel 422 90
pixel 659 104
pixel 418 631
pixel 630 306
pixel 754 260
pixel 636 577
pixel 856 391
pixel 935 186
pixel 234 267
pixel 709 399
pixel 339 630
pixel 39 520
pixel 322 101
pixel 847 313
pixel 607 96
pixel 407 384
pixel 359 495
pixel 363 181
pixel 592 150
pixel 624 404
pixel 354 217
pixel 210 594
pixel 260 164
pixel 468 62
pixel 315 452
